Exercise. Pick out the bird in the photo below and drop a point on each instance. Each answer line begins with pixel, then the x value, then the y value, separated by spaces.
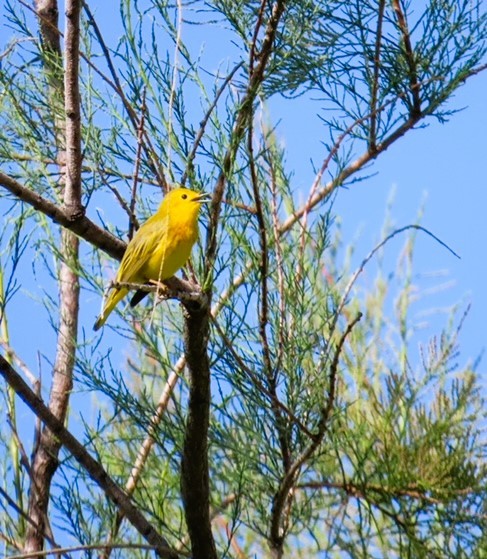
pixel 159 248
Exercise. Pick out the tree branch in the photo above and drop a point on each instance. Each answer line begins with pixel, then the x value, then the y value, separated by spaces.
pixel 72 188
pixel 270 372
pixel 81 225
pixel 375 78
pixel 353 168
pixel 45 456
pixel 362 491
pixel 410 58
pixel 195 483
pixel 277 535
pixel 244 113
pixel 94 469
pixel 194 464
pixel 48 17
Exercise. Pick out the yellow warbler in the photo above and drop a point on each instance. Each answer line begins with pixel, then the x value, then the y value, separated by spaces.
pixel 159 248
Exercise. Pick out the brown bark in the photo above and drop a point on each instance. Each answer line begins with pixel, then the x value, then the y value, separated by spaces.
pixel 45 457
pixel 94 469
pixel 45 460
pixel 195 482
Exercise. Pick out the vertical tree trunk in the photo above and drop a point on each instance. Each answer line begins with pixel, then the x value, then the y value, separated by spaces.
pixel 195 480
pixel 45 459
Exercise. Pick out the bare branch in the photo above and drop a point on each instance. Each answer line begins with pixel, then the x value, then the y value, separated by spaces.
pixel 48 14
pixel 133 224
pixel 195 483
pixel 72 187
pixel 68 136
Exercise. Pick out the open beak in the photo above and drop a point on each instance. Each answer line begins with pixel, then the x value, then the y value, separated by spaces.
pixel 203 198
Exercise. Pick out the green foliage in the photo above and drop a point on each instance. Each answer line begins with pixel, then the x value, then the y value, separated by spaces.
pixel 399 469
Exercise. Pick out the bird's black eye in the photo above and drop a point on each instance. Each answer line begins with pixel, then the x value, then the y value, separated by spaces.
pixel 184 196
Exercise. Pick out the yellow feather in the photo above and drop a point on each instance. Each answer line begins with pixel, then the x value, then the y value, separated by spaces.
pixel 160 247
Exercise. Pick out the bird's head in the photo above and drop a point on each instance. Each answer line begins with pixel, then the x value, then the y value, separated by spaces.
pixel 183 204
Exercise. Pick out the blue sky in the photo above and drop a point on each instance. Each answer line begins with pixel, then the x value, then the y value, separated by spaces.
pixel 441 166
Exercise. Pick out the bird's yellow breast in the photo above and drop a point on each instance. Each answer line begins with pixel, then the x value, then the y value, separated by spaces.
pixel 171 253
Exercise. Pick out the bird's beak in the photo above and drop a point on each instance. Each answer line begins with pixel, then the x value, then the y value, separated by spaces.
pixel 203 198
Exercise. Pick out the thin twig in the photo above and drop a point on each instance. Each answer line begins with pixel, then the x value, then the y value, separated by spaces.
pixel 315 196
pixel 253 45
pixel 172 93
pixel 371 254
pixel 25 516
pixel 411 491
pixel 120 199
pixel 82 226
pixel 87 547
pixel 283 330
pixel 117 86
pixel 12 355
pixel 410 57
pixel 270 372
pixel 204 122
pixel 140 132
pixel 276 533
pixel 375 78
pixel 273 398
pixel 173 288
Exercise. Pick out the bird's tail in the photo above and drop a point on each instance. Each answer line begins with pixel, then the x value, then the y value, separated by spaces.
pixel 115 296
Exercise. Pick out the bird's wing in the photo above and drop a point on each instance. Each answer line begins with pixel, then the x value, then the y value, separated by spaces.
pixel 141 248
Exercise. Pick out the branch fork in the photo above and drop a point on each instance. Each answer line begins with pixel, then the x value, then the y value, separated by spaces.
pixel 185 291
